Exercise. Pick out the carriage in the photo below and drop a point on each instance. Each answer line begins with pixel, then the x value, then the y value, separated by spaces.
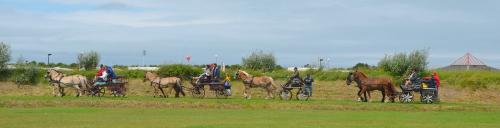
pixel 218 87
pixel 115 86
pixel 286 90
pixel 426 87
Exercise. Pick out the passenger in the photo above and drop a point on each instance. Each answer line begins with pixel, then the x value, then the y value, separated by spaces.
pixel 215 71
pixel 100 73
pixel 206 74
pixel 111 73
pixel 438 84
pixel 308 82
pixel 104 75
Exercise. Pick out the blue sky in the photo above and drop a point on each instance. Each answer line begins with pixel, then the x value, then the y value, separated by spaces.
pixel 296 31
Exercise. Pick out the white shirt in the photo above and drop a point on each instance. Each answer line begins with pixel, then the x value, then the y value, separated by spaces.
pixel 104 75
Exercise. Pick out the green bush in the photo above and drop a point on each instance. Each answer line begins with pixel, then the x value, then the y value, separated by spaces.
pixel 259 60
pixel 401 64
pixel 135 74
pixel 89 60
pixel 28 75
pixel 89 74
pixel 179 70
pixel 5 74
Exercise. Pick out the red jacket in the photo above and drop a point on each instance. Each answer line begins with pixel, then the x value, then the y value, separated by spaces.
pixel 99 73
pixel 438 81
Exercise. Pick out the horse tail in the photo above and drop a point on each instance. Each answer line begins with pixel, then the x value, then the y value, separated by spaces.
pixel 179 88
pixel 392 89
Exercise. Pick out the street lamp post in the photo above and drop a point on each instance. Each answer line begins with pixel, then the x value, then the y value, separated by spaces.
pixel 48 59
pixel 216 58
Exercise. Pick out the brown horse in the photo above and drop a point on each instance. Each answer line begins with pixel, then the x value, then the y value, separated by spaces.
pixel 159 83
pixel 369 84
pixel 59 81
pixel 249 81
pixel 350 79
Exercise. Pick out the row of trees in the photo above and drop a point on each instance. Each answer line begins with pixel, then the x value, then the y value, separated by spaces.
pixel 30 72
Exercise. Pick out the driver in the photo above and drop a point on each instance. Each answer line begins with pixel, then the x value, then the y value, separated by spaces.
pixel 295 75
pixel 412 78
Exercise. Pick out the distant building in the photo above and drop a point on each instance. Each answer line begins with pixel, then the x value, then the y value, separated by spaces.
pixel 468 62
pixel 300 68
pixel 144 68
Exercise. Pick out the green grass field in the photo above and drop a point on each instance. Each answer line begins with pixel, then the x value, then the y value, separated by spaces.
pixel 237 118
pixel 334 105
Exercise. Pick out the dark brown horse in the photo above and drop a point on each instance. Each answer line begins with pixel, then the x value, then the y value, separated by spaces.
pixel 350 79
pixel 369 84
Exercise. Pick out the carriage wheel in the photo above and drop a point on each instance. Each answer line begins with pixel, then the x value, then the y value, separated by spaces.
pixel 406 97
pixel 100 91
pixel 198 92
pixel 302 95
pixel 120 91
pixel 220 94
pixel 428 98
pixel 285 94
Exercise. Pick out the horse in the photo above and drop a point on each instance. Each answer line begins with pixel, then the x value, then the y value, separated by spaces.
pixel 350 79
pixel 59 81
pixel 159 83
pixel 249 81
pixel 369 84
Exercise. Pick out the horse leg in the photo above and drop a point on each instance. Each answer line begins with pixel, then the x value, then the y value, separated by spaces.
pixel 248 94
pixel 383 96
pixel 270 91
pixel 245 92
pixel 365 99
pixel 169 90
pixel 359 95
pixel 155 91
pixel 369 95
pixel 78 91
pixel 61 91
pixel 162 92
pixel 54 88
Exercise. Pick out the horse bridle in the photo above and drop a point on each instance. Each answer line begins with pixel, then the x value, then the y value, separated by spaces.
pixel 58 74
pixel 251 79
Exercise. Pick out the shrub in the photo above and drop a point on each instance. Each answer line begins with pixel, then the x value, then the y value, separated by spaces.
pixel 260 61
pixel 136 74
pixel 28 75
pixel 179 70
pixel 4 55
pixel 401 63
pixel 89 60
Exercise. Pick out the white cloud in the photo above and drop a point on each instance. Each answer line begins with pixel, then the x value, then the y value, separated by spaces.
pixel 131 3
pixel 136 19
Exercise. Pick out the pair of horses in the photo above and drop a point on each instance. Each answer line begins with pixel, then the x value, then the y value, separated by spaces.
pixel 366 85
pixel 158 83
pixel 59 81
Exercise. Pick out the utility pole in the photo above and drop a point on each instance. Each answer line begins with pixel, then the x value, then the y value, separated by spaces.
pixel 143 55
pixel 48 59
pixel 216 58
